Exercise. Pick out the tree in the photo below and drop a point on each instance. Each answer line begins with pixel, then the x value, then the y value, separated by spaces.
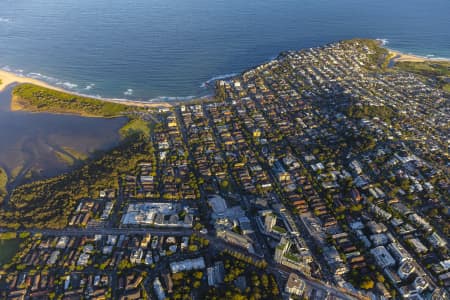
pixel 380 277
pixel 198 275
pixel 224 184
pixel 265 281
pixel 124 264
pixel 367 284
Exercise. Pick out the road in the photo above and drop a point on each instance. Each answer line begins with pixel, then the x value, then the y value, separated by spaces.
pixel 105 231
pixel 317 284
pixel 277 270
pixel 215 242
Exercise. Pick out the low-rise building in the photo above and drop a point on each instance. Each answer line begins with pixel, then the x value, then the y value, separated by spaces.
pixel 417 245
pixel 437 241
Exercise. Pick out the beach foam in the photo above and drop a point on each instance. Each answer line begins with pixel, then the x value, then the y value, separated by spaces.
pixel 68 85
pixel 128 92
pixel 7 68
pixel 434 57
pixel 90 86
pixel 218 77
pixel 172 98
pixel 40 76
pixel 383 42
pixel 52 80
pixel 4 20
pixel 407 56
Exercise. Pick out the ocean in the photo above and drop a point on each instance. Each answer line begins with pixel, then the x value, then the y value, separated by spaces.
pixel 171 49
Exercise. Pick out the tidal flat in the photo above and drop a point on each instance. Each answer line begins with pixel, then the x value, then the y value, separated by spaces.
pixel 40 145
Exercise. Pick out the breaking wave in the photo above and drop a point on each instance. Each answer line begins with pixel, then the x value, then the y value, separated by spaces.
pixel 128 92
pixel 68 85
pixel 383 42
pixel 218 77
pixel 89 86
pixel 172 99
pixel 52 80
pixel 85 90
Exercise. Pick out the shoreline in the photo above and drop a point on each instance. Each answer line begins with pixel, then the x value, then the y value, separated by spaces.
pixel 405 57
pixel 9 78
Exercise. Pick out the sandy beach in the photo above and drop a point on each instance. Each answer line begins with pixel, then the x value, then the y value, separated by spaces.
pixel 8 78
pixel 399 57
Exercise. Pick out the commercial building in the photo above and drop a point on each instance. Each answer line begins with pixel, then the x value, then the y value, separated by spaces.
pixel 382 257
pixel 236 239
pixel 295 285
pixel 282 248
pixel 187 265
pixel 406 269
pixel 293 261
pixel 269 221
pixel 156 214
pixel 399 253
pixel 216 273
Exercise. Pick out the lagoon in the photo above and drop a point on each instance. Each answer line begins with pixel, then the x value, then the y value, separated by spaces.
pixel 40 145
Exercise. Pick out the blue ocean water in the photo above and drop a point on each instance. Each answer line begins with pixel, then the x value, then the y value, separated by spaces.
pixel 144 49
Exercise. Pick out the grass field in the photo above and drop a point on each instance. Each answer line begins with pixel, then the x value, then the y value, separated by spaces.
pixel 3 180
pixel 440 70
pixel 426 68
pixel 34 98
pixel 135 126
pixel 3 184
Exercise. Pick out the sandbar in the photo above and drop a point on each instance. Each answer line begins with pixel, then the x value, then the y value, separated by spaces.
pixel 8 78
